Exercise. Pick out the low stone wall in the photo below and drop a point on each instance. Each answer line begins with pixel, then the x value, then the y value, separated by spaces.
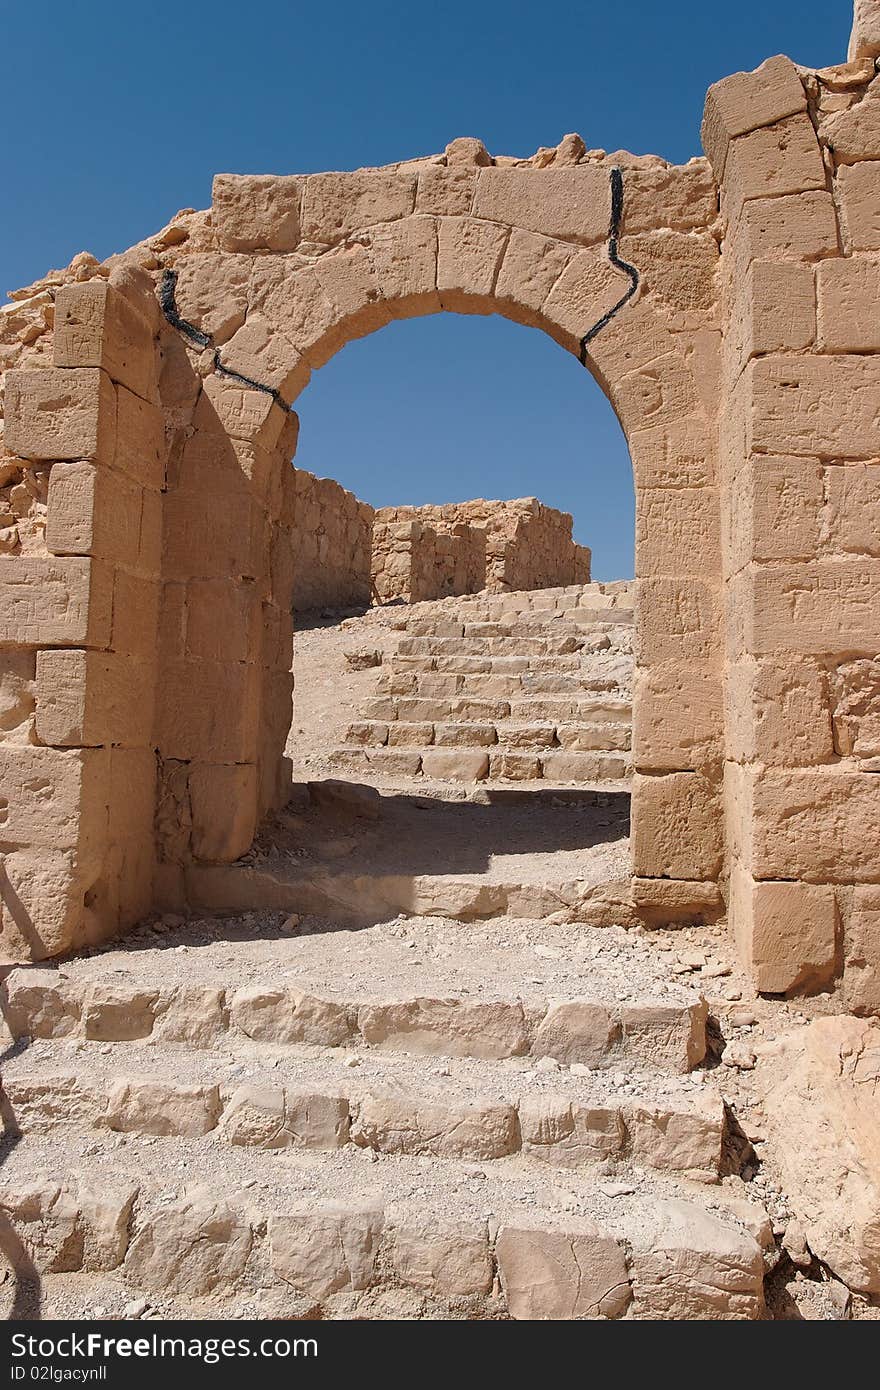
pixel 333 537
pixel 504 546
pixel 413 562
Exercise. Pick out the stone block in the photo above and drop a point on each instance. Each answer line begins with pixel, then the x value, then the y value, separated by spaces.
pixel 93 510
pixel 193 1246
pixel 746 101
pixel 532 264
pixel 256 212
pixel 677 829
pixel 450 1259
pixel 677 531
pixel 787 933
pixel 576 1272
pixel 468 259
pixel 55 602
pixel 687 1263
pixel 777 159
pixel 147 1106
pixel 457 764
pixel 60 413
pixel 849 289
pixel 676 620
pixel 794 405
pixel 404 256
pixel 677 717
pixel 813 608
pixel 859 190
pixel 334 205
pixel 779 713
pixel 326 1247
pixel 854 133
pixel 574 203
pixel 87 698
pixel 97 326
pixel 223 802
pixel 404 1124
pixel 576 1030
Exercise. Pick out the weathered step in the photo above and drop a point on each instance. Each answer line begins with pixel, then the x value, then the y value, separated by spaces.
pixel 595 737
pixel 340 1235
pixel 483 990
pixel 465 762
pixel 536 709
pixel 314 1098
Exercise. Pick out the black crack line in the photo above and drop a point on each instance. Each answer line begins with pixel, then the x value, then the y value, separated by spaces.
pixel 630 270
pixel 168 305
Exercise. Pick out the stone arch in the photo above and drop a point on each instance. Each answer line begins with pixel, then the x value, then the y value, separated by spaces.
pixel 177 676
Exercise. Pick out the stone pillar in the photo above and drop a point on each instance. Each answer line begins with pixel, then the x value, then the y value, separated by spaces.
pixel 802 583
pixel 78 798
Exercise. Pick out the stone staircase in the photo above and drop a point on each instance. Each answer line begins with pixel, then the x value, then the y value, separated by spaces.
pixel 421 1119
pixel 519 688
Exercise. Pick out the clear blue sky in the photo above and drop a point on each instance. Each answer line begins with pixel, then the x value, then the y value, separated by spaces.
pixel 119 114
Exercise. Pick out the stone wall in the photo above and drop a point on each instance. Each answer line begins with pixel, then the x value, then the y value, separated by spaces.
pixel 413 562
pixel 332 545
pixel 515 545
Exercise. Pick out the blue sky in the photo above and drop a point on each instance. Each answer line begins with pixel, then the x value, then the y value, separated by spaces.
pixel 121 114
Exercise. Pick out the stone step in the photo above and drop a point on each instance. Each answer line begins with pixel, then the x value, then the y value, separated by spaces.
pixel 558 644
pixel 493 685
pixel 199 1229
pixel 483 754
pixel 596 708
pixel 578 737
pixel 539 709
pixel 485 990
pixel 311 1098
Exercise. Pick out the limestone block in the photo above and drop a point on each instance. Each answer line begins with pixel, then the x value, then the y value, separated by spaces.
pixel 316 1121
pixel 679 454
pixel 813 608
pixel 747 100
pixel 459 764
pixel 210 538
pixel 688 1264
pixel 515 767
pixel 677 717
pixel 194 1014
pixel 794 405
pixel 191 1246
pixel 821 1104
pixel 575 1030
pixel 678 269
pixel 464 735
pixel 532 264
pixel 60 413
pixel 779 158
pixel 468 259
pixel 285 1016
pixel 254 1117
pixel 209 711
pixel 577 1272
pixel 586 289
pixel 66 1227
pixel 323 1248
pixel 820 825
pixel 223 801
pixel 672 1038
pixel 775 510
pixel 451 1258
pixel 667 900
pixel 446 191
pixel 854 133
pixel 97 326
pixel 657 394
pixel 223 618
pixel 258 351
pixel 54 798
pixel 42 902
pixel 778 713
pixel 405 1124
pixel 212 292
pixel 676 826
pixel 864 39
pixel 336 204
pixel 852 508
pixel 39 1003
pixel 859 191
pixel 253 212
pixel 855 701
pixel 861 974
pixel 562 1132
pixel 452 1027
pixel 791 942
pixel 848 293
pixel 676 619
pixel 147 1106
pixel 254 416
pixel 573 203
pixel 404 256
pixel 677 531
pixel 414 735
pixel 85 699
pixel 795 227
pixel 349 281
pixel 135 613
pixel 776 310
pixel 116 1013
pixel 140 440
pixel 93 511
pixel 688 1142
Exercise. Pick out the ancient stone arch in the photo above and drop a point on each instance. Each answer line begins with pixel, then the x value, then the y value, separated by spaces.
pixel 156 621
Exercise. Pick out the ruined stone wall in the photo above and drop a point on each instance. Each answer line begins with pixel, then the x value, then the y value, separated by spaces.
pixel 798 158
pixel 333 533
pixel 523 545
pixel 413 562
